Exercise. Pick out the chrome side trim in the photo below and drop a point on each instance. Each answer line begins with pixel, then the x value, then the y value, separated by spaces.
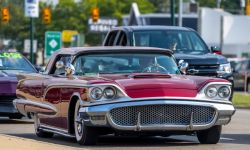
pixel 55 130
pixel 25 106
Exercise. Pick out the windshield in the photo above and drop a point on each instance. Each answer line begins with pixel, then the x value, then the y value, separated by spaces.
pixel 125 63
pixel 176 40
pixel 14 61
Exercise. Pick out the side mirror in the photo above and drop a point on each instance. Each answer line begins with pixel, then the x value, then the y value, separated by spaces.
pixel 183 66
pixel 39 69
pixel 59 64
pixel 216 50
pixel 69 70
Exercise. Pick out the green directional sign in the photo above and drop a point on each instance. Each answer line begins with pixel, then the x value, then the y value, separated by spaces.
pixel 53 42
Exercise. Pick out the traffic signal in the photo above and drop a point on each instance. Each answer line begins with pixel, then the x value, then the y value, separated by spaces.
pixel 248 7
pixel 5 15
pixel 95 14
pixel 46 16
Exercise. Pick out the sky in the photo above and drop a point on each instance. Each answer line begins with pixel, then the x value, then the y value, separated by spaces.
pixel 53 2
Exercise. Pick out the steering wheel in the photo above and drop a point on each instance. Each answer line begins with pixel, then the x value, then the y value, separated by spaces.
pixel 155 68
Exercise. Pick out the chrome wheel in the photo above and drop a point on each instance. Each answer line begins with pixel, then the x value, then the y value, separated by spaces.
pixel 36 123
pixel 84 135
pixel 78 123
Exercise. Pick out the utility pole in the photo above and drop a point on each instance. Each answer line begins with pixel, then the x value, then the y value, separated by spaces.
pixel 172 4
pixel 243 6
pixel 31 40
pixel 31 11
pixel 218 3
pixel 180 13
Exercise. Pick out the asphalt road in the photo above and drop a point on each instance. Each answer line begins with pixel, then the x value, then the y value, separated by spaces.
pixel 235 136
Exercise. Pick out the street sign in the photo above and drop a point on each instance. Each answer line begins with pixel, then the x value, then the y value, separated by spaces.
pixel 32 8
pixel 27 46
pixel 103 25
pixel 53 42
pixel 67 35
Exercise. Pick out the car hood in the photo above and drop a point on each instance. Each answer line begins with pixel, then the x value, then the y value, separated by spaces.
pixel 154 85
pixel 8 82
pixel 201 59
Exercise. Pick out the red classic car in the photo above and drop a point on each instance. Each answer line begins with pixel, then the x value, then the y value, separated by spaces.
pixel 86 92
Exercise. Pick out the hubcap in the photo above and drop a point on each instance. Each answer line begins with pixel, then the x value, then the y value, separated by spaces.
pixel 78 124
pixel 36 123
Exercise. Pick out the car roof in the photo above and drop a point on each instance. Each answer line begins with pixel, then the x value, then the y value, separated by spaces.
pixel 152 27
pixel 76 50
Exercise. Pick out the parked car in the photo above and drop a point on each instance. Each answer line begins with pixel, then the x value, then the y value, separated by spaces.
pixel 86 92
pixel 241 73
pixel 11 63
pixel 186 44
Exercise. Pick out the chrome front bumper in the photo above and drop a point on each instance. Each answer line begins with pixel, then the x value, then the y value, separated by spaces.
pixel 99 115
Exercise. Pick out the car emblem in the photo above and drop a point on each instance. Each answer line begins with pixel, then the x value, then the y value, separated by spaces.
pixel 193 71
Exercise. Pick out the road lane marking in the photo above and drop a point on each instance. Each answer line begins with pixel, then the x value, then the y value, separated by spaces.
pixel 228 139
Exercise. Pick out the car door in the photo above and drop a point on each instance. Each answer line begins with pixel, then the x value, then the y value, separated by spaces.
pixel 52 92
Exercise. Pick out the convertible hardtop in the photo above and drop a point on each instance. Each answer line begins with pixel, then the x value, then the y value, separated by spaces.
pixel 76 50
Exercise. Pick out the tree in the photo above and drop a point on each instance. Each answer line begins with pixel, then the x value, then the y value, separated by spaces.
pixel 16 29
pixel 67 15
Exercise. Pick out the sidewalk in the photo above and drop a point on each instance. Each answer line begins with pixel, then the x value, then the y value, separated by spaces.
pixel 15 143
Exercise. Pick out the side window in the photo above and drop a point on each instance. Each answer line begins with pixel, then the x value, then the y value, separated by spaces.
pixel 141 39
pixel 185 42
pixel 244 66
pixel 196 41
pixel 78 64
pixel 237 66
pixel 110 41
pixel 65 59
pixel 122 39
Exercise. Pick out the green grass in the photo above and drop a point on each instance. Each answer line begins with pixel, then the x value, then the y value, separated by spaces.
pixel 241 100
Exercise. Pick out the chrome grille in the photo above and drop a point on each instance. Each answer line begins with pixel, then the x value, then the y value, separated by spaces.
pixel 162 115
pixel 206 70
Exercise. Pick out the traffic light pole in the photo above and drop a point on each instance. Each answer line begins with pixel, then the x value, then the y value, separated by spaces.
pixel 31 41
pixel 172 3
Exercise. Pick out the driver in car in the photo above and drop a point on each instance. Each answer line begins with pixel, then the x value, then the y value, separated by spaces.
pixel 150 64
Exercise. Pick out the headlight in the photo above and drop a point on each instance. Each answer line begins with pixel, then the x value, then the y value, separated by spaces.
pixel 224 92
pixel 96 93
pixel 211 91
pixel 224 68
pixel 109 92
